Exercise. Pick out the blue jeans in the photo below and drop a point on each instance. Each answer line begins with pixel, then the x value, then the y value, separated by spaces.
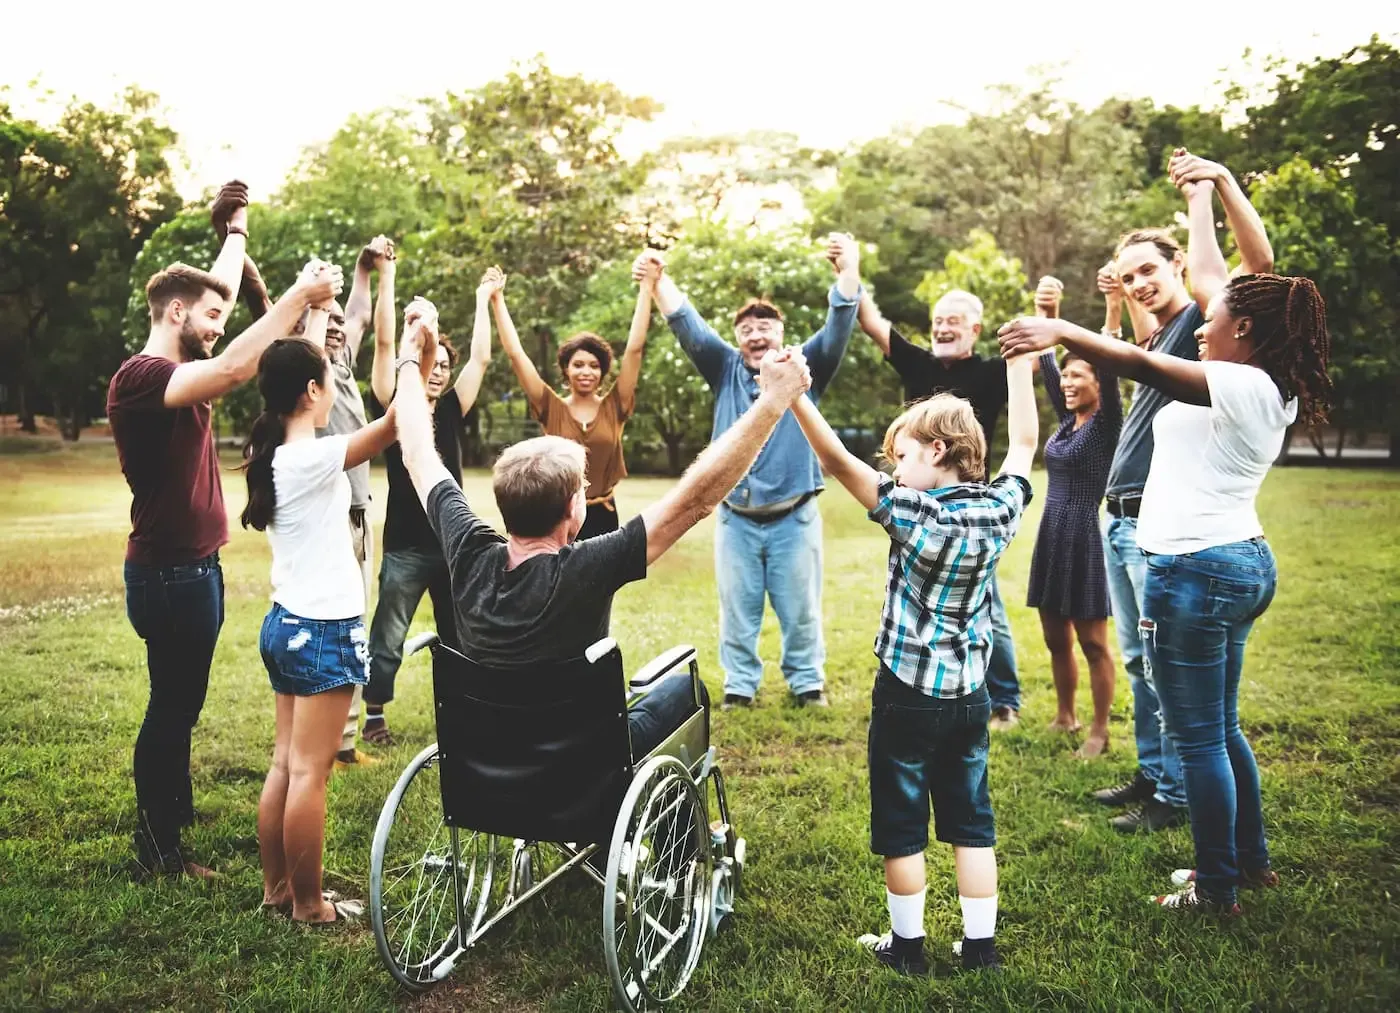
pixel 404 575
pixel 1127 573
pixel 783 559
pixel 304 657
pixel 178 611
pixel 1002 683
pixel 1197 611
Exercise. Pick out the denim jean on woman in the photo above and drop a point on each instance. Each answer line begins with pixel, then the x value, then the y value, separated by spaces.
pixel 1197 611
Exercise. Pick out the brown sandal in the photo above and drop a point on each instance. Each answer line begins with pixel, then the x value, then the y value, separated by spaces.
pixel 377 733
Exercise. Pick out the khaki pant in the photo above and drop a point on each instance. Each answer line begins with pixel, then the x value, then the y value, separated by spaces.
pixel 362 538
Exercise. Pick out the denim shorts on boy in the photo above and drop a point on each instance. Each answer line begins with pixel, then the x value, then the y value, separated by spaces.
pixel 309 656
pixel 924 748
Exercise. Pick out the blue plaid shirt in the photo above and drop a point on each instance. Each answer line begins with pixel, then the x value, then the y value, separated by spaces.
pixel 936 628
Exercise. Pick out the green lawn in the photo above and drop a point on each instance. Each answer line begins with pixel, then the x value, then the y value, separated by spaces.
pixel 1321 704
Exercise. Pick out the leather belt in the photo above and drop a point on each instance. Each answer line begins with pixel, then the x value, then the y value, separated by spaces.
pixel 777 515
pixel 1124 507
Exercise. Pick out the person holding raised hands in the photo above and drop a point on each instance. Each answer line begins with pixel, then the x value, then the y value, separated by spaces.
pixel 1263 347
pixel 585 416
pixel 930 705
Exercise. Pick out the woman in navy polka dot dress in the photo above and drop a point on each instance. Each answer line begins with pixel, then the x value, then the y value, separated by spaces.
pixel 1068 583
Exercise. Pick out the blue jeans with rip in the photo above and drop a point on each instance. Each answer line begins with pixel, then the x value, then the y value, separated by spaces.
pixel 1002 683
pixel 1127 573
pixel 781 559
pixel 1197 611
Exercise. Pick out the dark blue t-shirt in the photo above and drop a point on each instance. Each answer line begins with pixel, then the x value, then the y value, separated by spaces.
pixel 1134 455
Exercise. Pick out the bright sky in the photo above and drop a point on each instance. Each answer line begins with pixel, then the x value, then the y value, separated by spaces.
pixel 246 101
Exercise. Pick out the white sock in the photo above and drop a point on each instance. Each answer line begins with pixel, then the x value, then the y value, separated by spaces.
pixel 907 914
pixel 979 916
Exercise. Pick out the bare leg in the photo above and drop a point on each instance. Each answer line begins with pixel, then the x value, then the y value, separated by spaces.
pixel 1093 641
pixel 977 871
pixel 905 875
pixel 1058 632
pixel 316 726
pixel 270 809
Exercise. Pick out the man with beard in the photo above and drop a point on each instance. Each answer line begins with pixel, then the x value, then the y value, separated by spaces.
pixel 768 535
pixel 159 407
pixel 953 367
pixel 1150 266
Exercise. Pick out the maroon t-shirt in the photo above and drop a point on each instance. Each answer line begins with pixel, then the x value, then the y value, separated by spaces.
pixel 167 456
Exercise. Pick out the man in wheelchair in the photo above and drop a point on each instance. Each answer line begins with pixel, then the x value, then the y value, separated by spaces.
pixel 537 596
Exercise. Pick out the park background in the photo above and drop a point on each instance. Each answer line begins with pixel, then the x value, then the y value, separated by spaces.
pixel 541 169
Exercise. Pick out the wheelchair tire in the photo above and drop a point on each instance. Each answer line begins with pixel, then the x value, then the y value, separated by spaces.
pixel 657 889
pixel 415 877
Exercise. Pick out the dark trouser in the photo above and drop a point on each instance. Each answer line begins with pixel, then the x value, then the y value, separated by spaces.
pixel 1002 683
pixel 655 716
pixel 177 611
pixel 600 519
pixel 403 577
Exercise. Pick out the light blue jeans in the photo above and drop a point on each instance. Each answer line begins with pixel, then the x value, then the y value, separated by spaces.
pixel 1127 574
pixel 1002 683
pixel 782 559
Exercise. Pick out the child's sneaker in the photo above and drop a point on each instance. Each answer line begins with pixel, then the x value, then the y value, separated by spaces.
pixel 1187 899
pixel 978 954
pixel 903 955
pixel 1250 879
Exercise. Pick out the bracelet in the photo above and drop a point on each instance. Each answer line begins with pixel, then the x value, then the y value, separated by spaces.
pixel 401 363
pixel 1117 332
pixel 234 230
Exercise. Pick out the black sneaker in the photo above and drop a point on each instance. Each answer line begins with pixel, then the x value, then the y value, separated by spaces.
pixel 813 698
pixel 1151 816
pixel 732 700
pixel 1134 792
pixel 978 954
pixel 897 953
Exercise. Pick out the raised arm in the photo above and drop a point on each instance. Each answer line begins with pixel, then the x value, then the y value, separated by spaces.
pixel 826 348
pixel 381 371
pixel 468 384
pixel 1022 420
pixel 1180 378
pixel 205 379
pixel 521 363
pixel 873 323
pixel 859 478
pixel 1047 304
pixel 1256 253
pixel 372 439
pixel 253 290
pixel 783 377
pixel 710 353
pixel 631 367
pixel 229 215
pixel 1205 264
pixel 413 417
pixel 358 305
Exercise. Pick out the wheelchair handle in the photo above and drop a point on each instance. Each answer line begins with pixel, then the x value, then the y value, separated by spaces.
pixel 415 644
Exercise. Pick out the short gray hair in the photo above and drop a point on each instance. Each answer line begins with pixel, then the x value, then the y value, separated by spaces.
pixel 967 299
pixel 535 481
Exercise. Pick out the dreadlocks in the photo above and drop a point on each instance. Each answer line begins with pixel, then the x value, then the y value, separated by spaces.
pixel 1291 343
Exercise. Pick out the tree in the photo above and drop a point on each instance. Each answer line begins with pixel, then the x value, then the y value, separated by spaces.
pixel 77 201
pixel 1316 231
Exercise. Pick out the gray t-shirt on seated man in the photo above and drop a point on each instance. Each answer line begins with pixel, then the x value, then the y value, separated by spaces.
pixel 347 417
pixel 551 607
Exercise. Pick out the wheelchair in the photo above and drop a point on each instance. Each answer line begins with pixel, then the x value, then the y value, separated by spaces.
pixel 531 778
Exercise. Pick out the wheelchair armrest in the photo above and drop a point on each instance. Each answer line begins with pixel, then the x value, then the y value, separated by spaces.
pixel 598 651
pixel 415 644
pixel 674 660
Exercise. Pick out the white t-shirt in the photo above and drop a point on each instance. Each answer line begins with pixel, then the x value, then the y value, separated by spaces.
pixel 314 572
pixel 1209 461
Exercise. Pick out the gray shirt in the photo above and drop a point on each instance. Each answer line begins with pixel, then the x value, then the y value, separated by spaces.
pixel 348 416
pixel 1133 458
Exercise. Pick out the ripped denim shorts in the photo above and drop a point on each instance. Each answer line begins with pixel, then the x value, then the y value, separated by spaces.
pixel 309 656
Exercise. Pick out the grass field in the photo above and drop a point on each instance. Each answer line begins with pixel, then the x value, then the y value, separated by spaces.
pixel 1320 700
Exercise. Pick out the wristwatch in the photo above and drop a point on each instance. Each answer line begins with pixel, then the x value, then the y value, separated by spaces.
pixel 234 230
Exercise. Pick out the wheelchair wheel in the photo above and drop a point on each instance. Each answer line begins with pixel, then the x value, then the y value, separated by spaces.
pixel 423 874
pixel 656 896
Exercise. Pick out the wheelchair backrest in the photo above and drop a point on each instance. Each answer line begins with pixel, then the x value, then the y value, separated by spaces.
pixel 539 752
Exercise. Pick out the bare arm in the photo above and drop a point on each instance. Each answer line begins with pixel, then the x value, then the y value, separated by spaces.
pixel 468 384
pixel 1204 261
pixel 874 323
pixel 1022 420
pixel 521 363
pixel 229 216
pixel 316 322
pixel 1256 255
pixel 631 367
pixel 253 290
pixel 783 378
pixel 859 478
pixel 415 419
pixel 229 267
pixel 668 295
pixel 1180 378
pixel 205 379
pixel 357 310
pixel 381 373
pixel 371 440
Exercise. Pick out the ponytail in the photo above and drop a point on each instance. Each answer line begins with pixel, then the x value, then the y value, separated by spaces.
pixel 269 431
pixel 284 370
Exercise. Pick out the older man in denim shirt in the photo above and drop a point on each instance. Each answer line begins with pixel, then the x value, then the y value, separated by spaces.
pixel 768 539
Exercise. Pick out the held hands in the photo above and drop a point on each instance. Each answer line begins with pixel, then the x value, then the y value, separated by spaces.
pixel 1027 335
pixel 843 251
pixel 648 268
pixel 1047 296
pixel 1194 175
pixel 420 336
pixel 230 208
pixel 1110 284
pixel 377 252
pixel 319 283
pixel 493 284
pixel 784 373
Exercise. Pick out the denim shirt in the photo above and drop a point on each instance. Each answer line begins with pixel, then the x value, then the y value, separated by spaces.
pixel 786 466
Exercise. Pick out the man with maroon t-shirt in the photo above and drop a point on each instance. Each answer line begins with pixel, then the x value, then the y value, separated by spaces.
pixel 159 407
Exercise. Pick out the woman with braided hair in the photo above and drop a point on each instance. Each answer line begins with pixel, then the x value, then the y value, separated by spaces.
pixel 1210 574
